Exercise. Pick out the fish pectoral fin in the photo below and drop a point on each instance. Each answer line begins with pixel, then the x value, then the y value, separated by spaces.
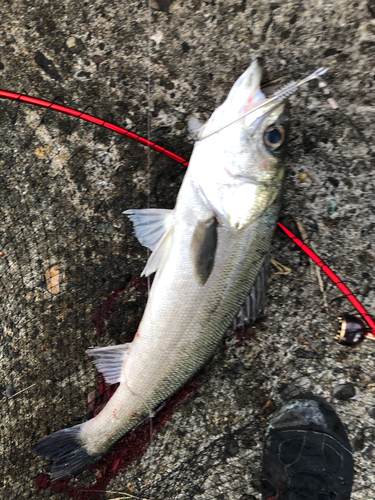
pixel 157 255
pixel 203 248
pixel 151 225
pixel 111 360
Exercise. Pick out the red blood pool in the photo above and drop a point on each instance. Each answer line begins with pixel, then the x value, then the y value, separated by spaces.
pixel 116 464
pixel 243 334
pixel 42 481
pixel 107 306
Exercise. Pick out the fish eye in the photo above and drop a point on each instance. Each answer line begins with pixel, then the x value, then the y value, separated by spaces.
pixel 273 137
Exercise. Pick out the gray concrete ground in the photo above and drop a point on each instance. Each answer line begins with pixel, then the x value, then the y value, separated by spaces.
pixel 64 185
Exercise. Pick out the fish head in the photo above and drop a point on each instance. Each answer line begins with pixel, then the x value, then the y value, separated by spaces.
pixel 245 170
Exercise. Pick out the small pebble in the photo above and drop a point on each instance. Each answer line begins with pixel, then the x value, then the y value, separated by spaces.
pixel 304 177
pixel 343 392
pixel 162 5
pixel 14 198
pixel 231 447
pixel 331 207
pixel 9 391
pixel 71 42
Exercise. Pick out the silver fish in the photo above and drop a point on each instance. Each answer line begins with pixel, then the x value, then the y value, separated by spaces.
pixel 207 253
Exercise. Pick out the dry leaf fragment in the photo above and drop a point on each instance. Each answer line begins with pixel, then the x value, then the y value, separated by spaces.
pixel 42 151
pixel 332 103
pixel 312 267
pixel 281 269
pixel 304 177
pixel 53 279
pixel 268 408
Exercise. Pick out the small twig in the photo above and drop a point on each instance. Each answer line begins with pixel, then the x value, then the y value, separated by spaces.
pixel 306 241
pixel 196 133
pixel 317 269
pixel 271 83
pixel 127 496
pixel 23 390
pixel 321 285
pixel 281 269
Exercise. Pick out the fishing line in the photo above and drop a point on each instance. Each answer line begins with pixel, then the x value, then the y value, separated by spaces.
pixel 149 18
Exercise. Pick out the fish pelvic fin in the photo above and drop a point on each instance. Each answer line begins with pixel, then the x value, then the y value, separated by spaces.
pixel 153 228
pixel 67 452
pixel 111 360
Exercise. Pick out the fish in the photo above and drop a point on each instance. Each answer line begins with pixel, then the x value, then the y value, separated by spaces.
pixel 207 253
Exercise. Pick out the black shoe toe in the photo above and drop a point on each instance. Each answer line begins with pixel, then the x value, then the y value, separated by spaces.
pixel 307 455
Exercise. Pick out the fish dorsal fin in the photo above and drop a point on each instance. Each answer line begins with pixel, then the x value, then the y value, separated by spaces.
pixel 253 304
pixel 111 360
pixel 203 248
pixel 153 228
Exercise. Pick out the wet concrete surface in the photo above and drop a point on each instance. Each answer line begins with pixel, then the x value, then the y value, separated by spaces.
pixel 65 183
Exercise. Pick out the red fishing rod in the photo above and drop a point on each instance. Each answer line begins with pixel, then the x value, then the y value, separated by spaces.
pixel 142 140
pixel 92 119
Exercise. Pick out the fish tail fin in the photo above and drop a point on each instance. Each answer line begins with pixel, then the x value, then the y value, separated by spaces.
pixel 67 451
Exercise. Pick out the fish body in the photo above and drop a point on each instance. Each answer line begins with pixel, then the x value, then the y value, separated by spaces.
pixel 207 253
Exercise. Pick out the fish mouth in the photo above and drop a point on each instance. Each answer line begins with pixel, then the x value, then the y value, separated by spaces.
pixel 245 91
pixel 256 98
pixel 246 103
pixel 256 103
pixel 253 78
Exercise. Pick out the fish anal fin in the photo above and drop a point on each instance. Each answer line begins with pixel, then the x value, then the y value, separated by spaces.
pixel 111 360
pixel 203 248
